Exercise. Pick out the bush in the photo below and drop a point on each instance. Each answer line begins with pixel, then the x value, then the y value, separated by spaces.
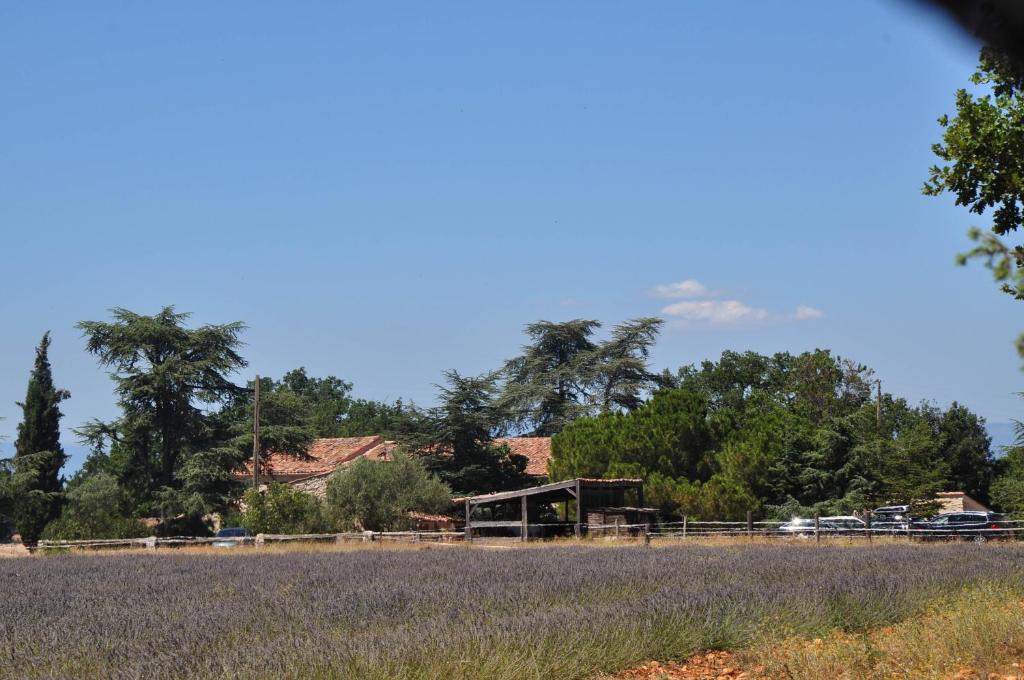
pixel 95 508
pixel 282 509
pixel 379 495
pixel 66 528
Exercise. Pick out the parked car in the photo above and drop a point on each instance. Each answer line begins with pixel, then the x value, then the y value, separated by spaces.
pixel 231 537
pixel 978 526
pixel 835 525
pixel 844 524
pixel 798 527
pixel 891 518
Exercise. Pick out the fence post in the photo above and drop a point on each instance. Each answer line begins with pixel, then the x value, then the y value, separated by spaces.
pixel 469 523
pixel 750 524
pixel 647 534
pixel 817 528
pixel 684 526
pixel 524 531
pixel 578 529
pixel 616 526
pixel 868 523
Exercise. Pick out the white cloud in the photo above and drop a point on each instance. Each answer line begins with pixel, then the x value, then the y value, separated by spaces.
pixel 804 312
pixel 715 311
pixel 705 307
pixel 690 288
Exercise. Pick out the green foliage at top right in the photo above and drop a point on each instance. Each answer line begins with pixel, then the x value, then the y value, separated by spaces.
pixel 982 151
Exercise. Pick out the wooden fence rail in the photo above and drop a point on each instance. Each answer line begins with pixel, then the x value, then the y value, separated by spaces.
pixel 152 542
pixel 646 532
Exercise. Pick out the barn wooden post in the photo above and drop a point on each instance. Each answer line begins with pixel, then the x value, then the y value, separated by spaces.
pixel 525 530
pixel 817 528
pixel 579 510
pixel 469 526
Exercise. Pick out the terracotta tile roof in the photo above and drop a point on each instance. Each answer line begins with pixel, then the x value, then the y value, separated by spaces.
pixel 326 455
pixel 323 456
pixel 536 449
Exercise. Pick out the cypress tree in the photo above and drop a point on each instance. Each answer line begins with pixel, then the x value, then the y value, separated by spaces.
pixel 38 455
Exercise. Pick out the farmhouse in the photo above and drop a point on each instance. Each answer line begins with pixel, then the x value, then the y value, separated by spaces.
pixel 957 501
pixel 310 472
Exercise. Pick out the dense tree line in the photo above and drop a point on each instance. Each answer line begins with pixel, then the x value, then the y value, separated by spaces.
pixel 780 434
pixel 772 433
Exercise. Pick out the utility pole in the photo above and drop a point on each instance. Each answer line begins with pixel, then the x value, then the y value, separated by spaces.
pixel 256 437
pixel 878 408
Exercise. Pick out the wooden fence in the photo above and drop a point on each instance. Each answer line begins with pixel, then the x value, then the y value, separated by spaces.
pixel 684 529
pixel 152 542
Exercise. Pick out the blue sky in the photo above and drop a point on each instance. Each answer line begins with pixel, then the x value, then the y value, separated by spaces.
pixel 385 191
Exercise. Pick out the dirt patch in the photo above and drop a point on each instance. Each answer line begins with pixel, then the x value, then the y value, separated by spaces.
pixel 699 667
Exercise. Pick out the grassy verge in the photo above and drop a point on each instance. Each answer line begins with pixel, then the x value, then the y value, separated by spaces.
pixel 974 633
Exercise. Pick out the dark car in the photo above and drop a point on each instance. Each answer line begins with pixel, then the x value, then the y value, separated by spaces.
pixel 975 525
pixel 231 537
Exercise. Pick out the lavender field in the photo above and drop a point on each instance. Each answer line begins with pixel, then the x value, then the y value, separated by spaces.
pixel 566 612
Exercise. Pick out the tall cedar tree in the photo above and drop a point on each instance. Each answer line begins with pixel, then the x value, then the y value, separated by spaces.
pixel 167 376
pixel 548 385
pixel 38 455
pixel 622 372
pixel 563 374
pixel 459 447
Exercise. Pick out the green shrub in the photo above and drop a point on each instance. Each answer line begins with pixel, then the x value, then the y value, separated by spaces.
pixel 282 509
pixel 95 508
pixel 379 495
pixel 66 528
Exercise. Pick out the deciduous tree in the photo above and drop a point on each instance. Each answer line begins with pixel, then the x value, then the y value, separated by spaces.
pixel 982 151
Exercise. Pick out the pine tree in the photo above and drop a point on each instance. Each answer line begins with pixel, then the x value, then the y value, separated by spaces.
pixel 38 456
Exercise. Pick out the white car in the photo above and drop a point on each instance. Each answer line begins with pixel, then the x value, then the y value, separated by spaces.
pixel 836 525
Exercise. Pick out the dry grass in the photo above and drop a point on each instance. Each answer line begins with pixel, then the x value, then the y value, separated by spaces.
pixel 978 633
pixel 13 550
pixel 310 546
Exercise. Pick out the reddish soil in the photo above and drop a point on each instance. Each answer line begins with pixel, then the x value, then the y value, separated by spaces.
pixel 700 667
pixel 722 666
